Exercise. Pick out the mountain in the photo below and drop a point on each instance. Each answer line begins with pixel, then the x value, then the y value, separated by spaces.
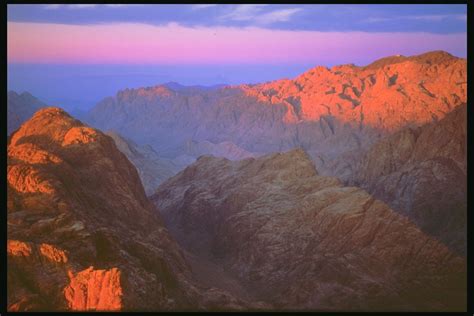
pixel 20 107
pixel 327 111
pixel 82 234
pixel 302 241
pixel 338 115
pixel 422 173
pixel 151 168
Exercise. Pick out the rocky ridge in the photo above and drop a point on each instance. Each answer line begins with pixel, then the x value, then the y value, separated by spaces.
pixel 82 233
pixel 302 241
pixel 422 173
pixel 326 111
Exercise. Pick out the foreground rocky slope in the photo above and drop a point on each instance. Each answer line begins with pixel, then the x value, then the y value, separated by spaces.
pixel 422 173
pixel 302 241
pixel 20 107
pixel 81 233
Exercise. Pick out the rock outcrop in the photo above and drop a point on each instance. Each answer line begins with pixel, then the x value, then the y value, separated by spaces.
pixel 301 241
pixel 82 233
pixel 20 107
pixel 91 289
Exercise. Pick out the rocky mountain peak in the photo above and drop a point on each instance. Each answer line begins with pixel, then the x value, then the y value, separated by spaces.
pixel 53 124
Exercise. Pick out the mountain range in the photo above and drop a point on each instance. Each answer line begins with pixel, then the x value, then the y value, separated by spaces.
pixel 337 116
pixel 343 189
pixel 327 112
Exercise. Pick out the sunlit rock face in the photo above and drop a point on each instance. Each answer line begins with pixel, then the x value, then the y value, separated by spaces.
pixel 91 289
pixel 82 234
pixel 326 111
pixel 302 241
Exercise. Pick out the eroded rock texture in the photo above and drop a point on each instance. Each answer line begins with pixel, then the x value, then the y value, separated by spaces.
pixel 83 235
pixel 91 289
pixel 302 241
pixel 421 172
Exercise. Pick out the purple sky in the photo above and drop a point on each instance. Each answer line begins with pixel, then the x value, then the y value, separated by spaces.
pixel 78 54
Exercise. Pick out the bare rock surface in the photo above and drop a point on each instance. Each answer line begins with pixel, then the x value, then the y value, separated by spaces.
pixel 421 172
pixel 301 241
pixel 82 233
pixel 252 232
pixel 327 111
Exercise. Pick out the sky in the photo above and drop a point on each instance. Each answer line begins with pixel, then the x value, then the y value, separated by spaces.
pixel 77 54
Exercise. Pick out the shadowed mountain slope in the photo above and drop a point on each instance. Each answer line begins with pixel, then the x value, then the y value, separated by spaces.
pixel 302 241
pixel 422 173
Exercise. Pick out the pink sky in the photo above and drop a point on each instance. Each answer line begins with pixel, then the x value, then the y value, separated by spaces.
pixel 129 43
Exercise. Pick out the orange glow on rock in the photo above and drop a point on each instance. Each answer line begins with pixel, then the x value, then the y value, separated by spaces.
pixel 98 290
pixel 80 135
pixel 18 248
pixel 53 253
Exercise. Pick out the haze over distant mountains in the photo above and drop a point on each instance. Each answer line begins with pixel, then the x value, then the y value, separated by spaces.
pixel 325 111
pixel 82 86
pixel 151 168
